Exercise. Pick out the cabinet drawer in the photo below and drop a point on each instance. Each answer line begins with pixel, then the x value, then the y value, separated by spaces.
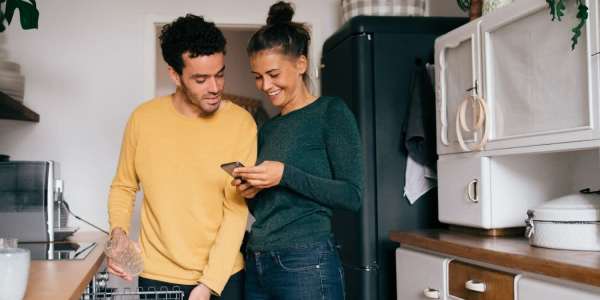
pixel 420 275
pixel 464 191
pixel 534 289
pixel 473 282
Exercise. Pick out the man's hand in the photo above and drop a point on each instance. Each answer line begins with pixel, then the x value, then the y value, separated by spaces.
pixel 200 292
pixel 118 241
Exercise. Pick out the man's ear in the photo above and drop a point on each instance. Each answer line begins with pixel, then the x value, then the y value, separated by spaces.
pixel 175 77
pixel 302 64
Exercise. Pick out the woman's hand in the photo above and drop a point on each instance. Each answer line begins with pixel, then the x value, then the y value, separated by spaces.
pixel 267 174
pixel 245 189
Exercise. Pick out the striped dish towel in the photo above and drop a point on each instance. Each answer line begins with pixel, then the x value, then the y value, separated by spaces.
pixel 353 8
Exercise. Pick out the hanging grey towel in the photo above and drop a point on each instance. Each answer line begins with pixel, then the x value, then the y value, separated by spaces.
pixel 419 136
pixel 419 139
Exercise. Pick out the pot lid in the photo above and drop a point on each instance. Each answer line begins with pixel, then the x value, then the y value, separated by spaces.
pixel 570 208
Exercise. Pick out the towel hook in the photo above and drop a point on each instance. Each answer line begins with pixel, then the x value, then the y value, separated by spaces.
pixel 473 88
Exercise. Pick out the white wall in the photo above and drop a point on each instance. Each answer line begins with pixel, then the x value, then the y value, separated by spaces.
pixel 85 72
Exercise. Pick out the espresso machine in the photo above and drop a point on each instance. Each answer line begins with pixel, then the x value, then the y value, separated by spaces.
pixel 31 195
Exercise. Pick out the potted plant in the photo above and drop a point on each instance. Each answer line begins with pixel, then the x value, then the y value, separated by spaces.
pixel 557 10
pixel 28 13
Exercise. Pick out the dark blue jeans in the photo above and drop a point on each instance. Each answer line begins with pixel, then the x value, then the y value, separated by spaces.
pixel 304 272
pixel 233 289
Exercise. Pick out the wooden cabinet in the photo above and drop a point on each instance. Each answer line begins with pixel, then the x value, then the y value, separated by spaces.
pixel 468 282
pixel 538 91
pixel 530 288
pixel 496 192
pixel 458 73
pixel 421 275
pixel 492 268
pixel 538 97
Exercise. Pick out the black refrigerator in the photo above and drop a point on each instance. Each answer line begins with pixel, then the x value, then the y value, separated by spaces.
pixel 369 63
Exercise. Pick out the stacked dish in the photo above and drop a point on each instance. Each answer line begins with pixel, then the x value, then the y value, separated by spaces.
pixel 12 82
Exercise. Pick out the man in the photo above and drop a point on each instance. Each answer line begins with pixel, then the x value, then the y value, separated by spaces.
pixel 192 219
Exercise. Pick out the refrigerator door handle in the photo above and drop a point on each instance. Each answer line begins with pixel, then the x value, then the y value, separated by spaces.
pixel 368 268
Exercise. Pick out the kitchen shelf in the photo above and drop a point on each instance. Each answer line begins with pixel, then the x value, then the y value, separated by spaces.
pixel 15 110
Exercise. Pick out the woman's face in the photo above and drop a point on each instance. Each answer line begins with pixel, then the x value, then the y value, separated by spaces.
pixel 279 76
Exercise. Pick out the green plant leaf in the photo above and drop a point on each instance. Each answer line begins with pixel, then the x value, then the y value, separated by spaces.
pixel 11 5
pixel 552 4
pixel 2 27
pixel 560 9
pixel 29 15
pixel 582 16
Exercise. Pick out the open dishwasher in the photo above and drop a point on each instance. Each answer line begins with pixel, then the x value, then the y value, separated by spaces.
pixel 97 289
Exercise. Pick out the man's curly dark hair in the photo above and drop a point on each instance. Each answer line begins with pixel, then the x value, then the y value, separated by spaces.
pixel 190 34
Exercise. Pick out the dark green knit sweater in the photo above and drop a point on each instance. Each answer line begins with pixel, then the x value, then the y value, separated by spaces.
pixel 320 147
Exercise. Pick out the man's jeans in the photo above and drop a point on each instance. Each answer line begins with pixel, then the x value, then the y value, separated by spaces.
pixel 306 272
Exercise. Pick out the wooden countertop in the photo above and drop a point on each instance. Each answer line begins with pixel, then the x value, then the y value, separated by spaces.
pixel 510 252
pixel 65 279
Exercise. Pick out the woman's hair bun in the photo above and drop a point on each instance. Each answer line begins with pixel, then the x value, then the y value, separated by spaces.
pixel 280 12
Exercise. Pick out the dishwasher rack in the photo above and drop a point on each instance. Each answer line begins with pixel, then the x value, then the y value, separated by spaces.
pixel 97 290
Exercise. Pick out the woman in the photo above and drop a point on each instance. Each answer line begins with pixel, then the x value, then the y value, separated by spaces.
pixel 309 162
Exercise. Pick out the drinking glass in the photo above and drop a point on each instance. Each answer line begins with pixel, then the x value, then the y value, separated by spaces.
pixel 8 243
pixel 126 255
pixel 14 269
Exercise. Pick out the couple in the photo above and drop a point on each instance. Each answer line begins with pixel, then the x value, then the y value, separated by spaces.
pixel 194 215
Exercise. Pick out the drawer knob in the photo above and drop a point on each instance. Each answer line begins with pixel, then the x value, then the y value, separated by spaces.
pixel 430 293
pixel 475 286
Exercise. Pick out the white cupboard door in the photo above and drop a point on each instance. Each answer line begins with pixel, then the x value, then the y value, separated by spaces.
pixel 535 289
pixel 464 191
pixel 420 276
pixel 457 74
pixel 538 90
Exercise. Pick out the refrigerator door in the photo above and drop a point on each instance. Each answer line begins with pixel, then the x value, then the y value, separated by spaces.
pixel 369 62
pixel 392 76
pixel 347 76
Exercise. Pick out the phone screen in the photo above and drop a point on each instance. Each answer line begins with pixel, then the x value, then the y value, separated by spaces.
pixel 228 167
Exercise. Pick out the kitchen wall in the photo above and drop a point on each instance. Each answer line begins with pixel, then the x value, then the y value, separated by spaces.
pixel 88 67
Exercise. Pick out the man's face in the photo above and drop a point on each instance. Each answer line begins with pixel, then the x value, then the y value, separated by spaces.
pixel 202 80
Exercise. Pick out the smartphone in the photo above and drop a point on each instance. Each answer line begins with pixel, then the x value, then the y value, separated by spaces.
pixel 228 167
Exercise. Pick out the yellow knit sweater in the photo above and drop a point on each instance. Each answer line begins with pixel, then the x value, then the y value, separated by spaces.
pixel 192 219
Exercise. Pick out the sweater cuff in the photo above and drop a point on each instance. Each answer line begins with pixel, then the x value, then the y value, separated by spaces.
pixel 289 176
pixel 212 286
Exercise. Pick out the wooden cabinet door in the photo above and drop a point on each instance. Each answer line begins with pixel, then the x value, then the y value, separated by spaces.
pixel 472 282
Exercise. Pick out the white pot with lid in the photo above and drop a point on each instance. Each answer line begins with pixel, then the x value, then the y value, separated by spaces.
pixel 571 222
